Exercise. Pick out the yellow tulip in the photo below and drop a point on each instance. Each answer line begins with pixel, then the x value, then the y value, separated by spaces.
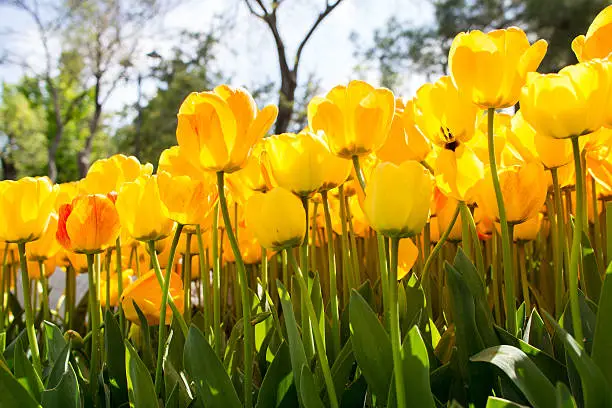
pixel 147 294
pixel 126 278
pixel 217 130
pixel 598 40
pixel 484 224
pixel 491 68
pixel 250 249
pixel 142 211
pixel 445 209
pixel 66 192
pixel 524 190
pixel 189 201
pixel 254 176
pixel 49 266
pixel 174 161
pixel 90 224
pixel 106 175
pixel 407 255
pixel 25 208
pixel 47 246
pixel 391 203
pixel 598 158
pixel 277 218
pixel 303 163
pixel 443 114
pixel 458 172
pixel 479 143
pixel 528 231
pixel 77 261
pixel 355 118
pixel 405 141
pixel 570 103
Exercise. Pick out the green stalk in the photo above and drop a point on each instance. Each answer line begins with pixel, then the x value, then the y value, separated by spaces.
pixel 45 290
pixel 94 317
pixel 244 291
pixel 3 287
pixel 523 272
pixel 27 304
pixel 264 275
pixel 333 286
pixel 561 249
pixel 119 268
pixel 467 218
pixel 107 262
pixel 506 243
pixel 306 328
pixel 353 241
pixel 465 230
pixel 609 231
pixel 347 266
pixel 575 256
pixel 216 283
pixel 396 341
pixel 320 345
pixel 597 241
pixel 69 300
pixel 495 276
pixel 187 280
pixel 204 277
pixel 313 248
pixel 439 244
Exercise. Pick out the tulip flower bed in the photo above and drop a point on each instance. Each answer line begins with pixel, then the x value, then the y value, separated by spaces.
pixel 430 252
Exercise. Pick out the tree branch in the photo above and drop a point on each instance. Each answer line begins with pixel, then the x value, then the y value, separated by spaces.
pixel 329 7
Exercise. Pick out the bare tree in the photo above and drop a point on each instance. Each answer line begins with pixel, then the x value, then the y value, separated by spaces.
pixel 289 72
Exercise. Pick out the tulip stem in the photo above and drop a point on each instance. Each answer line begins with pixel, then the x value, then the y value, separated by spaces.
pixel 45 290
pixel 119 268
pixel 561 249
pixel 164 283
pixel 575 256
pixel 467 218
pixel 107 263
pixel 313 235
pixel 27 304
pixel 3 287
pixel 306 328
pixel 425 275
pixel 216 282
pixel 523 272
pixel 204 277
pixel 505 235
pixel 465 229
pixel 333 286
pixel 244 291
pixel 359 173
pixel 347 267
pixel 320 345
pixel 94 319
pixel 495 276
pixel 396 340
pixel 187 280
pixel 597 240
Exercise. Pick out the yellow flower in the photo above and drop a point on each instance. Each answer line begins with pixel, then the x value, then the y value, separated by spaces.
pixel 250 249
pixel 126 278
pixel 598 40
pixel 254 176
pixel 406 257
pixel 443 114
pixel 458 172
pixel 355 118
pixel 218 129
pixel 405 141
pixel 277 218
pixel 47 246
pixel 25 208
pixel 528 231
pixel 147 294
pixel 491 68
pixel 445 209
pixel 598 158
pixel 479 144
pixel 106 175
pixel 174 161
pixel 189 201
pixel 90 224
pixel 524 190
pixel 142 211
pixel 66 192
pixel 531 145
pixel 34 268
pixel 303 163
pixel 392 205
pixel 570 103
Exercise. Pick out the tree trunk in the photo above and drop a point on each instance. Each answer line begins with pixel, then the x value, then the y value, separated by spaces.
pixel 286 102
pixel 84 156
pixel 52 153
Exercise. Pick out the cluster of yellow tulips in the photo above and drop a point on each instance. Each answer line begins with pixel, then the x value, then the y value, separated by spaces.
pixel 388 184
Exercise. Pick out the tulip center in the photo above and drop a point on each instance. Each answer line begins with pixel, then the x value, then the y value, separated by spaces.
pixel 449 139
pixel 451 145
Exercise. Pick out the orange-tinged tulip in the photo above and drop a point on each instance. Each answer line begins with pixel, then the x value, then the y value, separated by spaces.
pixel 484 224
pixel 218 129
pixel 391 205
pixel 147 294
pixel 250 248
pixel 597 43
pixel 142 211
pixel 277 218
pixel 189 201
pixel 106 175
pixel 77 261
pixel 528 231
pixel 568 104
pixel 443 114
pixel 90 224
pixel 49 266
pixel 491 68
pixel 356 118
pixel 524 190
pixel 445 209
pixel 598 158
pixel 66 192
pixel 25 208
pixel 407 255
pixel 47 245
pixel 126 278
pixel 304 164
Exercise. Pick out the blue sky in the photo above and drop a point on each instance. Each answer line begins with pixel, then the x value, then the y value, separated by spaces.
pixel 247 53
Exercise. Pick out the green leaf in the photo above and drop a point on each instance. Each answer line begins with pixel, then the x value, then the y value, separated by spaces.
pixel 371 346
pixel 595 388
pixel 147 350
pixel 12 393
pixel 115 360
pixel 59 368
pixel 24 369
pixel 173 365
pixel 54 342
pixel 213 385
pixel 536 334
pixel 277 388
pixel 590 274
pixel 415 304
pixel 65 394
pixel 416 372
pixel 564 397
pixel 308 389
pixel 141 390
pixel 173 399
pixel 494 402
pixel 602 339
pixel 343 366
pixel 523 372
pixel 296 347
pixel 521 315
